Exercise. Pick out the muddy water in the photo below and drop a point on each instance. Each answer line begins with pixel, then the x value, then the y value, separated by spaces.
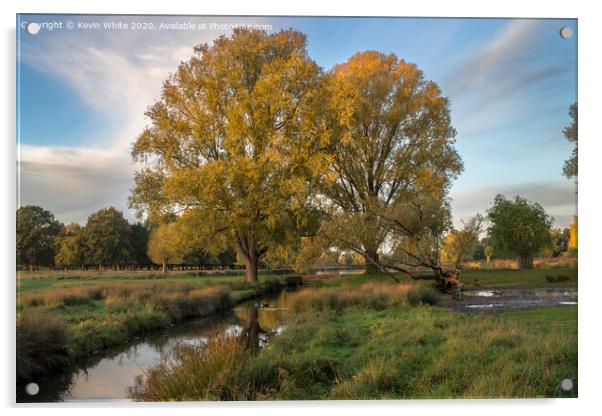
pixel 109 376
pixel 514 298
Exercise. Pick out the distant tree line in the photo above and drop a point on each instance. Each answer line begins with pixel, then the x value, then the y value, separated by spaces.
pixel 107 240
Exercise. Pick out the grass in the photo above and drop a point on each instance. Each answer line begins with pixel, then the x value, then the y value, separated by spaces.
pixel 366 342
pixel 354 336
pixel 484 277
pixel 95 315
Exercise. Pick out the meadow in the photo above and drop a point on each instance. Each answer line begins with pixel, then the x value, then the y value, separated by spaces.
pixel 380 341
pixel 348 336
pixel 62 318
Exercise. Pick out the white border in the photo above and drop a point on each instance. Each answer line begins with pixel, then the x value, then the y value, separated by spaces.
pixel 590 224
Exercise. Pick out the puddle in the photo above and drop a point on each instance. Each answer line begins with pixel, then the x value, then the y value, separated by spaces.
pixel 514 298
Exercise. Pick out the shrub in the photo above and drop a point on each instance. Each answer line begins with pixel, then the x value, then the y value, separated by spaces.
pixel 42 341
pixel 423 295
pixel 76 300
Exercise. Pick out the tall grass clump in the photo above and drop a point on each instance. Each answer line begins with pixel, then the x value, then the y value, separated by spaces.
pixel 213 371
pixel 422 295
pixel 196 303
pixel 42 344
pixel 377 296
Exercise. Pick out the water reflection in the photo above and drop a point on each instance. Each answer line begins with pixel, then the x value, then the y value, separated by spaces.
pixel 111 375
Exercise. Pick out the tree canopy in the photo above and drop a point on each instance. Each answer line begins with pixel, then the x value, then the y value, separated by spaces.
pixel 164 245
pixel 519 228
pixel 392 156
pixel 234 141
pixel 106 238
pixel 69 247
pixel 37 230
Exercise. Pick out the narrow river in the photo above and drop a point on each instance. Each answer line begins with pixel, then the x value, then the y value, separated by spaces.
pixel 109 376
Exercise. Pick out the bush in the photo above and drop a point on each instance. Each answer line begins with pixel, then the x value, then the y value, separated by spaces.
pixel 42 341
pixel 76 300
pixel 423 295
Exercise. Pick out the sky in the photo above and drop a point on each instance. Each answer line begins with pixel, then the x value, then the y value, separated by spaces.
pixel 85 81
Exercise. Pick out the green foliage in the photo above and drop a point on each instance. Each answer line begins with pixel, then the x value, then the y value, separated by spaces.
pixel 37 230
pixel 518 228
pixel 571 133
pixel 139 236
pixel 69 247
pixel 106 238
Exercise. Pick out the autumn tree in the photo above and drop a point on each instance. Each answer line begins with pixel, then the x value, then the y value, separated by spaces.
pixel 518 228
pixel 164 245
pixel 69 247
pixel 37 230
pixel 459 244
pixel 234 143
pixel 106 238
pixel 392 159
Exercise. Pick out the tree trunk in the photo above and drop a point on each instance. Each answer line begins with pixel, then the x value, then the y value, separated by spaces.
pixel 164 268
pixel 525 262
pixel 370 267
pixel 246 245
pixel 251 267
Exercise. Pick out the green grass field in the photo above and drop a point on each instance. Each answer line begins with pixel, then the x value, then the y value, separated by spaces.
pixel 373 342
pixel 64 317
pixel 351 337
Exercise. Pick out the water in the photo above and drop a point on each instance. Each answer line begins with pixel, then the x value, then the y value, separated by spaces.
pixel 109 376
pixel 501 299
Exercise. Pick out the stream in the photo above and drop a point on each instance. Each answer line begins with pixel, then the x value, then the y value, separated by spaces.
pixel 110 375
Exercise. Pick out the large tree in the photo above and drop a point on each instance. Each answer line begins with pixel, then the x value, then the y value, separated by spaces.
pixel 106 238
pixel 518 228
pixel 37 230
pixel 234 141
pixel 392 156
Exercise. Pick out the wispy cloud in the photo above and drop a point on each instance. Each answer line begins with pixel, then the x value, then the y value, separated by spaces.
pixel 495 62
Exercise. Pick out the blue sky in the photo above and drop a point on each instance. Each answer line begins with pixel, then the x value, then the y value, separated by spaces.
pixel 82 94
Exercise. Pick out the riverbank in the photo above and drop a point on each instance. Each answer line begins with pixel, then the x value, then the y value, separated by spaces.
pixel 63 319
pixel 379 340
pixel 63 323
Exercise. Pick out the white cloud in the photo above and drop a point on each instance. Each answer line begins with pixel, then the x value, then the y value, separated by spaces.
pixel 72 183
pixel 557 198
